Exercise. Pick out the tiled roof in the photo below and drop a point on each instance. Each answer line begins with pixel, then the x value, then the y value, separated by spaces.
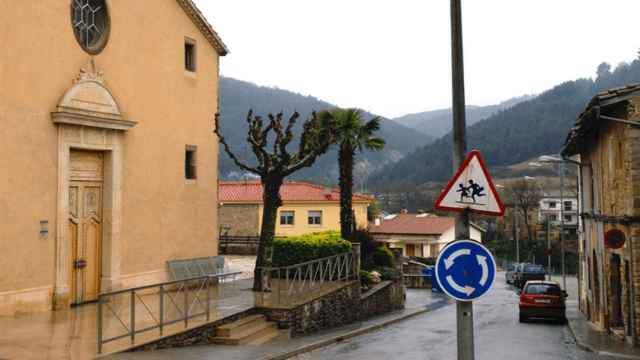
pixel 413 224
pixel 203 25
pixel 251 191
pixel 589 120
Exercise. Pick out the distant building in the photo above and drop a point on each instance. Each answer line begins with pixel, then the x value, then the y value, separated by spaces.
pixel 418 234
pixel 555 209
pixel 306 208
pixel 606 136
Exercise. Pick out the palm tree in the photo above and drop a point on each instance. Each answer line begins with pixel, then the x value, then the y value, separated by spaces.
pixel 352 134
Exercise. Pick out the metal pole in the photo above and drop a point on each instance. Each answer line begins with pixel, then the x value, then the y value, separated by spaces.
pixel 548 249
pixel 464 310
pixel 516 236
pixel 564 278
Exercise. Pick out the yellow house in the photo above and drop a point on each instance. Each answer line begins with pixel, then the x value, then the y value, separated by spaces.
pixel 109 164
pixel 306 208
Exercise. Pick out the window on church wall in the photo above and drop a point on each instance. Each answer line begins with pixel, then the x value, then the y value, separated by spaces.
pixel 190 165
pixel 189 55
pixel 90 22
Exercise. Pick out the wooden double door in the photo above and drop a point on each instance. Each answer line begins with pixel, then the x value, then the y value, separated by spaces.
pixel 85 224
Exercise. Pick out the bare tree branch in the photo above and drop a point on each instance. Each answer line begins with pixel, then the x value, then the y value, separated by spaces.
pixel 227 148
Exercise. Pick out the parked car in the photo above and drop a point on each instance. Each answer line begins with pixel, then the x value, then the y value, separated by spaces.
pixel 542 299
pixel 530 272
pixel 511 268
pixel 517 273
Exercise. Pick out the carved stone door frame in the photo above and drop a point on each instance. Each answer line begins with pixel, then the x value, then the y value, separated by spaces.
pixel 89 118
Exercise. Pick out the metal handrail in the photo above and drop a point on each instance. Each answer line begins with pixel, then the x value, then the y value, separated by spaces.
pixel 199 283
pixel 303 279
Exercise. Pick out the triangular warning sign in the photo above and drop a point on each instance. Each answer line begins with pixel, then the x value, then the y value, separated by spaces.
pixel 471 188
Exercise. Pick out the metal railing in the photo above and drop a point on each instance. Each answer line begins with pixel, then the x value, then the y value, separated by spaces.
pixel 289 285
pixel 128 312
pixel 241 244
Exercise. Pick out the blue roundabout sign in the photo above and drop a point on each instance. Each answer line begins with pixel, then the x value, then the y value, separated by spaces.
pixel 465 270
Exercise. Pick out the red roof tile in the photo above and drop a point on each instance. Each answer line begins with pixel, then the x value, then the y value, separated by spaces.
pixel 251 191
pixel 413 224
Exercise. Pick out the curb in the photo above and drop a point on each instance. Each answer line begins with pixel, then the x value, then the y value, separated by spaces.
pixel 579 343
pixel 590 349
pixel 348 335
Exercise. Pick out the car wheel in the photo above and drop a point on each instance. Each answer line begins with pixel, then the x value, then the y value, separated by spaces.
pixel 523 318
pixel 562 320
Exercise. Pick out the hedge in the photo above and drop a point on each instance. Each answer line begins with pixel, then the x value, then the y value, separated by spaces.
pixel 295 250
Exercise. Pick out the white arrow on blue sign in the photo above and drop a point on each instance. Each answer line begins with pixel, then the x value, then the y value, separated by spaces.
pixel 465 270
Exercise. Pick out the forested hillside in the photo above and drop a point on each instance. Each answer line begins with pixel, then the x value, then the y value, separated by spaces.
pixel 529 129
pixel 437 123
pixel 237 97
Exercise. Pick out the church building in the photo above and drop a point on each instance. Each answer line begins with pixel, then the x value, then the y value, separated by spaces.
pixel 108 160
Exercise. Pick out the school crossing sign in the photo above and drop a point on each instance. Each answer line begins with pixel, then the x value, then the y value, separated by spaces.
pixel 471 188
pixel 465 270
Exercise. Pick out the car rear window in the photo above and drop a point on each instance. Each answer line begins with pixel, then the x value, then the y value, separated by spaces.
pixel 534 269
pixel 543 289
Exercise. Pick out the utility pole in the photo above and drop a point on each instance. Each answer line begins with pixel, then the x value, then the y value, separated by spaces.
pixel 548 249
pixel 464 309
pixel 516 235
pixel 564 278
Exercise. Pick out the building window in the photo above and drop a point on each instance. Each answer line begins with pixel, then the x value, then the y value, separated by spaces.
pixel 90 21
pixel 190 55
pixel 553 218
pixel 287 217
pixel 552 204
pixel 315 217
pixel 568 218
pixel 190 159
pixel 568 206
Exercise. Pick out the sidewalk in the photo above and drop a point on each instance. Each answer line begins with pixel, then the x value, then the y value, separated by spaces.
pixel 597 341
pixel 419 301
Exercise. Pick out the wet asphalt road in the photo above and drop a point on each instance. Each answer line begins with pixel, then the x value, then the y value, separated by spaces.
pixel 498 335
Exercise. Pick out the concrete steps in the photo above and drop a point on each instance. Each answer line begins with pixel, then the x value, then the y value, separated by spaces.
pixel 250 330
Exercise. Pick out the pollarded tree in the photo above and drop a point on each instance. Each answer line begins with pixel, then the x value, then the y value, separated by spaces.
pixel 352 134
pixel 274 163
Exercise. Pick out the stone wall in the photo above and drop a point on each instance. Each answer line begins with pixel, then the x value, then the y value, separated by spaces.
pixel 383 298
pixel 242 219
pixel 200 335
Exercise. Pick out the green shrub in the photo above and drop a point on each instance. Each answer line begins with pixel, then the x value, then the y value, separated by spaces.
pixel 366 279
pixel 382 258
pixel 423 260
pixel 368 246
pixel 299 249
pixel 390 274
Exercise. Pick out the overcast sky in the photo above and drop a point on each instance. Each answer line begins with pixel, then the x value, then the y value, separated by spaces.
pixel 393 57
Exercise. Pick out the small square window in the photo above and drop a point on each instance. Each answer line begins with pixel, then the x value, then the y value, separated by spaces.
pixel 568 218
pixel 190 55
pixel 553 218
pixel 315 217
pixel 568 205
pixel 287 217
pixel 552 204
pixel 190 168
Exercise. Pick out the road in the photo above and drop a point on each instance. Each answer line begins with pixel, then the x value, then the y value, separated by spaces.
pixel 498 335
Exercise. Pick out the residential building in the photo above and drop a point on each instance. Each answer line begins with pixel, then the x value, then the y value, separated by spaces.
pixel 555 209
pixel 606 137
pixel 109 165
pixel 421 235
pixel 306 208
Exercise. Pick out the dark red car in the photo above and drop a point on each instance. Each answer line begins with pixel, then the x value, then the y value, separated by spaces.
pixel 542 299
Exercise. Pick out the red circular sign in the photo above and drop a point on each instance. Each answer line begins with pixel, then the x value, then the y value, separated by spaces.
pixel 614 239
pixel 548 252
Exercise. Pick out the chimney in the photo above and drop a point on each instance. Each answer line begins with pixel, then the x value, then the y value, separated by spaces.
pixel 327 193
pixel 377 221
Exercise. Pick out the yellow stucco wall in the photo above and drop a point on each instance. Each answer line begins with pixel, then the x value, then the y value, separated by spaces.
pixel 163 216
pixel 330 217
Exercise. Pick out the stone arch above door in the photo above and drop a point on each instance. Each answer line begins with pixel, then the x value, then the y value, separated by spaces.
pixel 90 103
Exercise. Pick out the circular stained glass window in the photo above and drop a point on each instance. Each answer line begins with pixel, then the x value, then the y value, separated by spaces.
pixel 90 20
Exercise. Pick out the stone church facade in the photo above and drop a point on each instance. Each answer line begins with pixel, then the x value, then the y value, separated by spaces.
pixel 108 160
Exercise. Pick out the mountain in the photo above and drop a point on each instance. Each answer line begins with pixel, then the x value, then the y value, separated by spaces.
pixel 437 123
pixel 237 97
pixel 529 129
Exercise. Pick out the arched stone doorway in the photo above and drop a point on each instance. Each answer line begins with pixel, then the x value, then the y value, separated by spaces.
pixel 91 128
